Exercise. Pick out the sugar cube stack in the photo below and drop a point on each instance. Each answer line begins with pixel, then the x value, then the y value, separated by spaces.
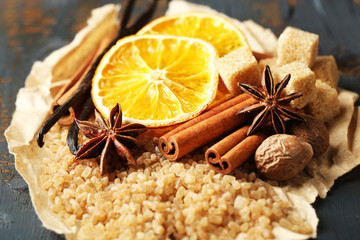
pixel 315 76
pixel 297 54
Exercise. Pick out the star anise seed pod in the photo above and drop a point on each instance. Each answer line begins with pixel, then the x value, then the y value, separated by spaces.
pixel 271 102
pixel 109 139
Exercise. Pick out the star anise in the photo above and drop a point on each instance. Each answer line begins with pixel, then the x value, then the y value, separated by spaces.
pixel 108 139
pixel 271 102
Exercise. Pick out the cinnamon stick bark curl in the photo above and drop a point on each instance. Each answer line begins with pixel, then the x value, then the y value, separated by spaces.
pixel 233 150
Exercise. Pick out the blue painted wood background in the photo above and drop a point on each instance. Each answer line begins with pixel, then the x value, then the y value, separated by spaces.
pixel 31 29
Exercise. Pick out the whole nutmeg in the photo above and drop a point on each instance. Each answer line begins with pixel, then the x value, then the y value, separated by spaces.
pixel 282 156
pixel 313 131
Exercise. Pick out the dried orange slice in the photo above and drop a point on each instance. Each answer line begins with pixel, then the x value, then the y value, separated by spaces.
pixel 159 80
pixel 213 28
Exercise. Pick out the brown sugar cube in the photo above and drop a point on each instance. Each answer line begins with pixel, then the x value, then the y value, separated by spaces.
pixel 302 80
pixel 326 104
pixel 326 70
pixel 297 45
pixel 271 62
pixel 239 66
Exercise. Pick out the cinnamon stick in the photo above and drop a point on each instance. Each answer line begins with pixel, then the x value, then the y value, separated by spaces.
pixel 68 90
pixel 205 128
pixel 233 150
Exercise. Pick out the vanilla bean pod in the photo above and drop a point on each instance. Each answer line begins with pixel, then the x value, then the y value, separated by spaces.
pixel 83 88
pixel 72 137
pixel 63 109
pixel 85 84
pixel 144 17
pixel 126 16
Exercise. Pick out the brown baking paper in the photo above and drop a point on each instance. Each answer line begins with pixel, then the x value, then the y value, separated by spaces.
pixel 34 101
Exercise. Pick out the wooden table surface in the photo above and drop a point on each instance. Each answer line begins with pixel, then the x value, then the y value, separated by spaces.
pixel 30 30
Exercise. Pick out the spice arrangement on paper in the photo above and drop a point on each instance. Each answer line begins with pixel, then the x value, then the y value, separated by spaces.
pixel 189 126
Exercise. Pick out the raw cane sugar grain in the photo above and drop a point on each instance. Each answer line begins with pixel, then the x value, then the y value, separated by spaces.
pixel 160 199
